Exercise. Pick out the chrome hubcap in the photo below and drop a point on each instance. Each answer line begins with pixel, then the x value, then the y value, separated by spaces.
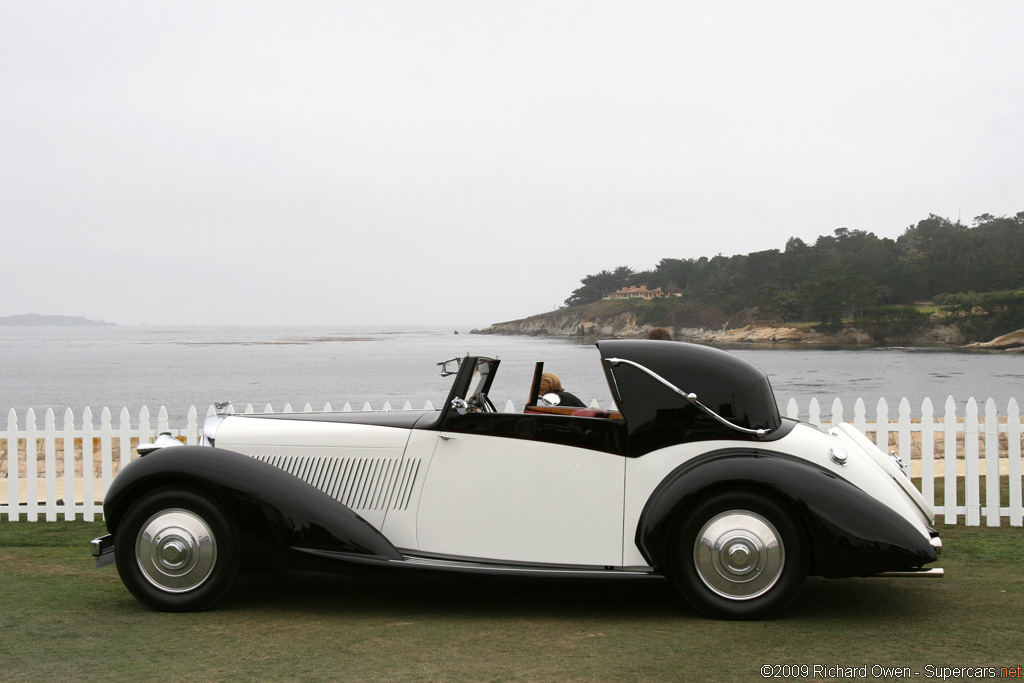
pixel 176 550
pixel 739 554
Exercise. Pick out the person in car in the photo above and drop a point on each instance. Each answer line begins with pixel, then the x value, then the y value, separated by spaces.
pixel 660 333
pixel 552 393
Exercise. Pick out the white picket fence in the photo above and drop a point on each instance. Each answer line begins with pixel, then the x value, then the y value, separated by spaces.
pixel 950 447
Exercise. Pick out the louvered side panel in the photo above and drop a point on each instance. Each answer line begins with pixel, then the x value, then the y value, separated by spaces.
pixel 358 483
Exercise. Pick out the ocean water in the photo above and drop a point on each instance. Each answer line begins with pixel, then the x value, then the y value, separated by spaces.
pixel 177 367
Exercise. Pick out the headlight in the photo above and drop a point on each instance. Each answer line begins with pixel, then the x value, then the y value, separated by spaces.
pixel 208 434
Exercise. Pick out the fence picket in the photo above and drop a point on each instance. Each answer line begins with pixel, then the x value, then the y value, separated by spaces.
pixel 882 426
pixel 792 411
pixel 1013 454
pixel 13 467
pixel 949 456
pixel 972 489
pixel 837 412
pixel 192 427
pixel 991 464
pixel 124 437
pixel 106 451
pixel 83 444
pixel 814 412
pixel 32 466
pixel 50 444
pixel 145 433
pixel 88 473
pixel 928 451
pixel 904 445
pixel 860 420
pixel 69 466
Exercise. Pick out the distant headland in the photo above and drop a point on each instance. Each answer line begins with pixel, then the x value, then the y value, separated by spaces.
pixel 37 320
pixel 635 319
pixel 940 283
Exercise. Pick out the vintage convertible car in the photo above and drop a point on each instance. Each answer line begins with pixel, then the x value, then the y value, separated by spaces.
pixel 694 479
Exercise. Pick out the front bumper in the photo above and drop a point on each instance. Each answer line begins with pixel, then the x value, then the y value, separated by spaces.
pixel 103 550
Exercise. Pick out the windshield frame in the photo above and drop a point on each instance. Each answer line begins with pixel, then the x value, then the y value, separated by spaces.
pixel 476 375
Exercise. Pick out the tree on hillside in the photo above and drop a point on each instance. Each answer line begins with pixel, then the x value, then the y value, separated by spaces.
pixel 596 287
pixel 847 274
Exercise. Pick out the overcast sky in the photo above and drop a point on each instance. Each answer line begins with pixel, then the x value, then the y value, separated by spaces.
pixel 390 163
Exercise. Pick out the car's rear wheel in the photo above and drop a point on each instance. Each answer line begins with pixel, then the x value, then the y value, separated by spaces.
pixel 738 555
pixel 176 550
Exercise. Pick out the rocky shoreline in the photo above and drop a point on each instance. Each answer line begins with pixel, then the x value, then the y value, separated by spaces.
pixel 625 325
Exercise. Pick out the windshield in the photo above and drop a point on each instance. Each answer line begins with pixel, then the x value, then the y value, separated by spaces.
pixel 481 380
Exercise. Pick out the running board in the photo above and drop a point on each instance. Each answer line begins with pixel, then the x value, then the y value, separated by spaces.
pixel 525 570
pixel 475 566
pixel 933 573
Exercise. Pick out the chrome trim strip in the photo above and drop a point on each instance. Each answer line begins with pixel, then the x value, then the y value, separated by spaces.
pixel 933 573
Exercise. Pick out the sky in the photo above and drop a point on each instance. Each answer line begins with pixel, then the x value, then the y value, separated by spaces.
pixel 433 163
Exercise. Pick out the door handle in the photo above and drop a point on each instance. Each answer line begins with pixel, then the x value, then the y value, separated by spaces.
pixel 446 437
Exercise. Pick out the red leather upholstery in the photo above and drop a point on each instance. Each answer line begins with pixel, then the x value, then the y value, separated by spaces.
pixel 591 412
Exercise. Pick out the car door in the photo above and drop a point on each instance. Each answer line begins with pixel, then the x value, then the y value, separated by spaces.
pixel 524 489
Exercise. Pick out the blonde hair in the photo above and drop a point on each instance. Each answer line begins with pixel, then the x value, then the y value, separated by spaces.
pixel 549 383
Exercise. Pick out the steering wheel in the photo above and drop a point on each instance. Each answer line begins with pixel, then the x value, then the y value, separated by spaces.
pixel 482 403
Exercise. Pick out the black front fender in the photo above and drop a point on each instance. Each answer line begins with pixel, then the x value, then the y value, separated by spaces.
pixel 850 532
pixel 275 513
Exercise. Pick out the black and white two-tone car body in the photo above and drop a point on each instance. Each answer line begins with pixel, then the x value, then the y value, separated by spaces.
pixel 695 478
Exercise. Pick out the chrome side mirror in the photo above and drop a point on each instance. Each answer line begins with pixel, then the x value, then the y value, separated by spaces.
pixel 450 367
pixel 460 406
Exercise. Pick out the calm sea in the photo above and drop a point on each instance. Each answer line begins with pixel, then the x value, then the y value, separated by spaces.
pixel 177 367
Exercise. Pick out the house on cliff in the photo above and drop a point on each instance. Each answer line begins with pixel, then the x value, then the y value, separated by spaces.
pixel 640 292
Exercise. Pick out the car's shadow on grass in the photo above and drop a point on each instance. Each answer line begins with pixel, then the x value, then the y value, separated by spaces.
pixel 450 595
pixel 469 595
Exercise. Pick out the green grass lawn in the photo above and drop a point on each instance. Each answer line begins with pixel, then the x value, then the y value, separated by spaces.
pixel 60 619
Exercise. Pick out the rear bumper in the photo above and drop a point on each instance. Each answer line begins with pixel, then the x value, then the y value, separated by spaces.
pixel 930 573
pixel 103 550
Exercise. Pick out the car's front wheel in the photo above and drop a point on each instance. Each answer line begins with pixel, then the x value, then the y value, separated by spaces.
pixel 176 550
pixel 738 555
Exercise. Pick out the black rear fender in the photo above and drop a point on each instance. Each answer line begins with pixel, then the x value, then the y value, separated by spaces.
pixel 850 533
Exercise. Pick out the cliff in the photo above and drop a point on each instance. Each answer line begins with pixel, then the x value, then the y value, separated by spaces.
pixel 634 319
pixel 631 318
pixel 602 319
